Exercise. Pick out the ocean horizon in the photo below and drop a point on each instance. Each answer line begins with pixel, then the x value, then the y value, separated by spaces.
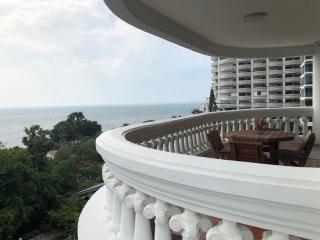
pixel 13 121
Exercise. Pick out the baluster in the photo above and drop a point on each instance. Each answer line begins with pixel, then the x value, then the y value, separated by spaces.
pixel 165 142
pixel 207 130
pixel 234 125
pixel 186 141
pixel 189 224
pixel 171 142
pixel 113 225
pixel 161 211
pixel 190 141
pixel 127 216
pixel 153 143
pixel 278 123
pixel 202 133
pixel 223 129
pixel 296 126
pixel 176 145
pixel 286 124
pixel 145 144
pixel 229 230
pixel 248 124
pixel 254 124
pixel 269 122
pixel 159 143
pixel 107 175
pixel 241 122
pixel 228 127
pixel 181 142
pixel 272 235
pixel 304 121
pixel 194 139
pixel 142 227
pixel 197 138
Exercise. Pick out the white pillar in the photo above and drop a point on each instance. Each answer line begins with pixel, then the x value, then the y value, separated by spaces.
pixel 106 176
pixel 113 225
pixel 161 211
pixel 189 224
pixel 127 216
pixel 142 227
pixel 316 92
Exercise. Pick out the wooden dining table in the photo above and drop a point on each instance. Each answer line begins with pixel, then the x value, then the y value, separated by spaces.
pixel 271 138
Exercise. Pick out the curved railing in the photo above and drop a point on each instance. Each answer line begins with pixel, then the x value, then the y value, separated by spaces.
pixel 153 171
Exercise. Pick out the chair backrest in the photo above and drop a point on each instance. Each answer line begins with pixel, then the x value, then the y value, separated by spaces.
pixel 246 150
pixel 307 146
pixel 215 141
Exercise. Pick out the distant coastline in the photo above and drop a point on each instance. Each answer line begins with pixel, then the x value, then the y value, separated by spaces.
pixel 14 120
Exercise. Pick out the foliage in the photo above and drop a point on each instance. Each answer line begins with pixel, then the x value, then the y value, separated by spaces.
pixel 24 197
pixel 37 141
pixel 74 128
pixel 196 111
pixel 212 102
pixel 66 215
pixel 2 145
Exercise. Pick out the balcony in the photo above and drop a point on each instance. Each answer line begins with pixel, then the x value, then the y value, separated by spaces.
pixel 227 82
pixel 244 74
pixel 276 71
pixel 259 80
pixel 259 73
pixel 293 62
pixel 275 80
pixel 156 170
pixel 275 63
pixel 224 75
pixel 275 88
pixel 244 82
pixel 227 60
pixel 275 105
pixel 292 87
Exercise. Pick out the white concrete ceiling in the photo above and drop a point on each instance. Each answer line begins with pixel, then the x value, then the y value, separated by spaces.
pixel 217 27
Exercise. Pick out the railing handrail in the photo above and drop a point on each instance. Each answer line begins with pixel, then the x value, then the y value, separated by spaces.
pixel 160 128
pixel 280 198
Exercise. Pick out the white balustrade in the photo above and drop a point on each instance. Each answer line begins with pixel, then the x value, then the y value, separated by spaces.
pixel 147 181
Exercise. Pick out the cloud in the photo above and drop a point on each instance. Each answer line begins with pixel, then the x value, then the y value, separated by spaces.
pixel 60 52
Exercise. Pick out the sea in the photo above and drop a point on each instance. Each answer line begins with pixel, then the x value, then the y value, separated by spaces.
pixel 13 121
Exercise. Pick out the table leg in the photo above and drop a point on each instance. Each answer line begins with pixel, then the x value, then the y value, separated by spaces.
pixel 274 147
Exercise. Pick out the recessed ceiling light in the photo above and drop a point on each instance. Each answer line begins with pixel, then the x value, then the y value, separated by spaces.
pixel 255 17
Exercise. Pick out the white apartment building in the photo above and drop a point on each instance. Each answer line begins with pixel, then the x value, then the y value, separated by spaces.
pixel 262 82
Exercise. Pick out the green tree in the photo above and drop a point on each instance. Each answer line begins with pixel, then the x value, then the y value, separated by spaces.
pixel 37 141
pixel 2 145
pixel 212 102
pixel 66 215
pixel 196 111
pixel 23 202
pixel 74 128
pixel 65 175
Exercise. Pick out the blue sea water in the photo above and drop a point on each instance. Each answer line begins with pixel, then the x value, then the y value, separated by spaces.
pixel 14 120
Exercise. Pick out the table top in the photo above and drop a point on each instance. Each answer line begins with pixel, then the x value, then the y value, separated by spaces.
pixel 262 136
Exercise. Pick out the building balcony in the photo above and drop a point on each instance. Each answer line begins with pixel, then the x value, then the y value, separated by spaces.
pixel 259 73
pixel 244 97
pixel 227 60
pixel 258 88
pixel 292 95
pixel 244 82
pixel 275 71
pixel 292 87
pixel 292 79
pixel 259 80
pixel 244 66
pixel 227 90
pixel 244 90
pixel 227 82
pixel 160 170
pixel 224 75
pixel 227 68
pixel 275 105
pixel 275 88
pixel 275 96
pixel 275 63
pixel 275 80
pixel 244 74
pixel 292 70
pixel 293 62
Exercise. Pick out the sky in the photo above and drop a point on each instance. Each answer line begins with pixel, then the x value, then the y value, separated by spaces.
pixel 77 52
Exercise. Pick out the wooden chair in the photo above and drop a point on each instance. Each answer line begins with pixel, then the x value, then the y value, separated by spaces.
pixel 266 148
pixel 247 150
pixel 297 154
pixel 219 149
